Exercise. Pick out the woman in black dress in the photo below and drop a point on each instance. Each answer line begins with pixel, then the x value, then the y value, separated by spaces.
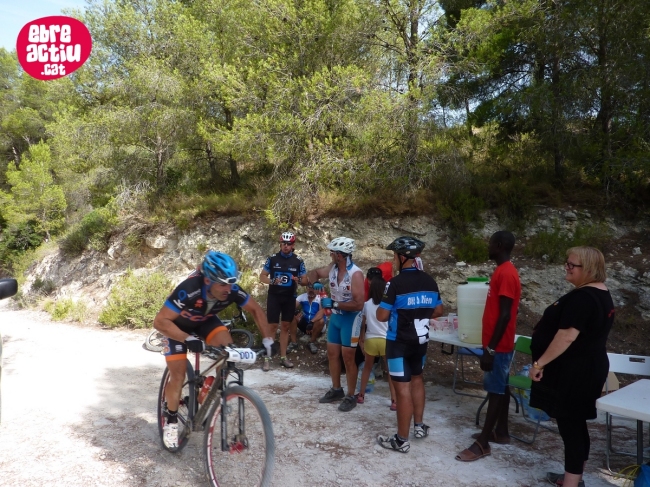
pixel 570 357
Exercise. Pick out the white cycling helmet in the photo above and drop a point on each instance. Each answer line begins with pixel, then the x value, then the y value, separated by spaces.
pixel 342 244
pixel 288 237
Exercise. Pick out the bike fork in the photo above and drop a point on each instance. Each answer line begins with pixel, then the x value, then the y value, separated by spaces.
pixel 237 443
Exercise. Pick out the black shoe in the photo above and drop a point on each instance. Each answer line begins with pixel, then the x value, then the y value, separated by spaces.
pixel 332 395
pixel 348 404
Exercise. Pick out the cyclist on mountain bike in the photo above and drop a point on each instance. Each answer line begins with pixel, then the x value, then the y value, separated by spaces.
pixel 188 319
pixel 282 271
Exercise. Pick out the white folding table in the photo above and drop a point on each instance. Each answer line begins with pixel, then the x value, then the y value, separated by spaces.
pixel 632 401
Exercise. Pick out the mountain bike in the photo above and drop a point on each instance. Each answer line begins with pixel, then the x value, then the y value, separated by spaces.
pixel 238 444
pixel 241 338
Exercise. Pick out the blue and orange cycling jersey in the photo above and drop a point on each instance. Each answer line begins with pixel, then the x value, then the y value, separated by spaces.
pixel 190 301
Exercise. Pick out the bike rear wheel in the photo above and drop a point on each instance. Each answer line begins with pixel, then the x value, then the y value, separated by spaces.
pixel 154 341
pixel 241 449
pixel 186 407
pixel 242 338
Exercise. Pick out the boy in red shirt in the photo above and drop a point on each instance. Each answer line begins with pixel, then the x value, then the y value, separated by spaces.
pixel 499 323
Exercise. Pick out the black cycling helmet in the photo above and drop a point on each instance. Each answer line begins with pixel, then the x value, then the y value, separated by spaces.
pixel 407 246
pixel 374 272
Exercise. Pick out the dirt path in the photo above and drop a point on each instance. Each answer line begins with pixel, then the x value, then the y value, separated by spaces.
pixel 78 409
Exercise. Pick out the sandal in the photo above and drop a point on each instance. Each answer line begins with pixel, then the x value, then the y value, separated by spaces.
pixel 468 455
pixel 499 440
pixel 393 405
pixel 361 398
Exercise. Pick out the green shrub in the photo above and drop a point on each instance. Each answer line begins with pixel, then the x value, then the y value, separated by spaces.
pixel 66 309
pixel 93 231
pixel 43 287
pixel 556 242
pixel 461 209
pixel 514 202
pixel 134 241
pixel 16 241
pixel 135 300
pixel 552 244
pixel 471 249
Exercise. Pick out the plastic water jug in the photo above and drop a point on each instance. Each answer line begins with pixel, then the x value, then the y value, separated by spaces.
pixel 471 303
pixel 370 386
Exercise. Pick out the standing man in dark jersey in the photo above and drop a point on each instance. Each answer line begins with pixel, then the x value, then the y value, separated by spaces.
pixel 188 319
pixel 410 300
pixel 282 271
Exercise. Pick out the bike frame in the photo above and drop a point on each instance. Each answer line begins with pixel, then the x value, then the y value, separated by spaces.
pixel 226 370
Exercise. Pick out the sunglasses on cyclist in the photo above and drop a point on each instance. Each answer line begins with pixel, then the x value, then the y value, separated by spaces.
pixel 228 280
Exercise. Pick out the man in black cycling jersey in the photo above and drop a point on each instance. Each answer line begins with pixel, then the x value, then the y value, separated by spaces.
pixel 410 300
pixel 188 319
pixel 282 272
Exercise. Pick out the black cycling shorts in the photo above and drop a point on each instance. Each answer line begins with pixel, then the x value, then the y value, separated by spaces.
pixel 303 324
pixel 175 350
pixel 405 360
pixel 278 305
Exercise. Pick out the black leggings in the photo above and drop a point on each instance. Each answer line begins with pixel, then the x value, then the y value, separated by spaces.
pixel 575 435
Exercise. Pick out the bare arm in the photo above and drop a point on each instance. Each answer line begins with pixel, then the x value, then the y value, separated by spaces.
pixel 318 315
pixel 163 322
pixel 561 341
pixel 320 273
pixel 265 278
pixel 437 311
pixel 259 316
pixel 505 305
pixel 383 314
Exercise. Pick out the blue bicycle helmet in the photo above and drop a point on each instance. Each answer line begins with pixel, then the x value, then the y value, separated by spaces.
pixel 220 267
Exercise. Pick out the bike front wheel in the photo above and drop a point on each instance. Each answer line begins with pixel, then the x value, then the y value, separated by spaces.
pixel 239 446
pixel 242 338
pixel 186 407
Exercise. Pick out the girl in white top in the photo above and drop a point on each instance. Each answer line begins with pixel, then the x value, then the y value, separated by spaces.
pixel 372 339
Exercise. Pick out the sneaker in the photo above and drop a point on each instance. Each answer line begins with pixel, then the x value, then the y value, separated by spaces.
pixel 348 404
pixel 313 348
pixel 292 346
pixel 361 398
pixel 393 443
pixel 170 435
pixel 332 395
pixel 421 431
pixel 393 406
pixel 266 366
pixel 285 362
pixel 558 479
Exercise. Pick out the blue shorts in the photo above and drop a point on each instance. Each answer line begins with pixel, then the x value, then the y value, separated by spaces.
pixel 496 380
pixel 344 329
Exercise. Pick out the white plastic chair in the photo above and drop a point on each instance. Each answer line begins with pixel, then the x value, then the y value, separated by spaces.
pixel 623 364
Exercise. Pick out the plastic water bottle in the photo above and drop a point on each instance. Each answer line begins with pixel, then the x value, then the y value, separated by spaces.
pixel 370 386
pixel 326 311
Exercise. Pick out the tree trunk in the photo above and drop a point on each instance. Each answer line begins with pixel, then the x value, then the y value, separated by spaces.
pixel 234 173
pixel 215 177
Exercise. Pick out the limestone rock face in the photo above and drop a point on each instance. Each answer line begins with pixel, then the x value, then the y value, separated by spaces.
pixel 250 241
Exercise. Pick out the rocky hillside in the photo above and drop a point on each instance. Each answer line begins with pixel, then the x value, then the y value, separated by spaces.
pixel 143 247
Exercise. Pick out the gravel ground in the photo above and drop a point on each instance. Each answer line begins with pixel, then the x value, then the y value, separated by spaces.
pixel 79 409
